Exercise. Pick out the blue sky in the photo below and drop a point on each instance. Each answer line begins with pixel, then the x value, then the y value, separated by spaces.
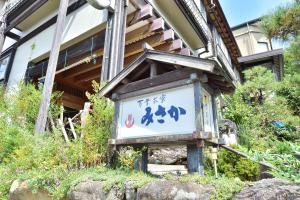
pixel 239 11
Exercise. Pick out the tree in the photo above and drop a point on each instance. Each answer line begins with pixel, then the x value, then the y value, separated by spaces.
pixel 283 23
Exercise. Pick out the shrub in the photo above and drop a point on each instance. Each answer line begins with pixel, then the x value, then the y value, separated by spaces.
pixel 232 165
pixel 127 157
pixel 99 127
pixel 24 155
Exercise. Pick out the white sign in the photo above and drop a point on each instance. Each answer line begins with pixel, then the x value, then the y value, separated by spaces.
pixel 168 112
pixel 208 112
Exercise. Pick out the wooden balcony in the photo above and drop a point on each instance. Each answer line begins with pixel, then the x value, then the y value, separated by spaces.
pixel 225 62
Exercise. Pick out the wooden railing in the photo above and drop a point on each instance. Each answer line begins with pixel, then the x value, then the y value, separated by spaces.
pixel 228 65
pixel 199 18
pixel 10 5
pixel 67 125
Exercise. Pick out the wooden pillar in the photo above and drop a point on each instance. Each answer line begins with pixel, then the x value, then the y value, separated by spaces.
pixel 48 85
pixel 141 164
pixel 195 161
pixel 195 151
pixel 153 70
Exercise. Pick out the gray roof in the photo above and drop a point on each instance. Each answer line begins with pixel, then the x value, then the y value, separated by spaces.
pixel 274 57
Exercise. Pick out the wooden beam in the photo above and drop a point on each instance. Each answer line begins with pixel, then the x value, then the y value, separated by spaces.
pixel 153 41
pixel 48 86
pixel 184 51
pixel 140 72
pixel 130 59
pixel 151 82
pixel 145 12
pixel 145 31
pixel 217 78
pixel 90 75
pixel 171 46
pixel 72 101
pixel 74 71
pixel 153 70
pixel 130 51
pixel 167 139
pixel 82 69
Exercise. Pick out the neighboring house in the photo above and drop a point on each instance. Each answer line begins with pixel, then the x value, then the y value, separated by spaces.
pixel 189 27
pixel 256 48
pixel 250 38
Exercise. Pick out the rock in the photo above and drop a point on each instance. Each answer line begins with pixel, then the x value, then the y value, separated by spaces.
pixel 228 131
pixel 130 191
pixel 167 155
pixel 270 189
pixel 160 190
pixel 115 194
pixel 93 190
pixel 167 169
pixel 21 191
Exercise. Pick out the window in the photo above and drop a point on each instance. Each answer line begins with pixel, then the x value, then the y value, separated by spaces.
pixel 262 47
pixel 3 67
pixel 222 46
pixel 201 7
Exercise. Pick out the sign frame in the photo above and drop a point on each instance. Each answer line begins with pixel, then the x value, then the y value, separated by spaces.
pixel 187 78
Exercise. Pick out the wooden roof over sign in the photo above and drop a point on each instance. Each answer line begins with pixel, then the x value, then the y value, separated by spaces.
pixel 211 73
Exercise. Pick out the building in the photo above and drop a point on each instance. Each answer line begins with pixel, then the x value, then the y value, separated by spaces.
pixel 257 49
pixel 199 28
pixel 250 38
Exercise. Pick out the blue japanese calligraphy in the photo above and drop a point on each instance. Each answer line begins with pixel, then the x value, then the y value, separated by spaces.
pixel 174 112
pixel 161 112
pixel 148 117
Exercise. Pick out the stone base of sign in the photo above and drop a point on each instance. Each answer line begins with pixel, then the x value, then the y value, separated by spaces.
pixel 158 169
pixel 195 144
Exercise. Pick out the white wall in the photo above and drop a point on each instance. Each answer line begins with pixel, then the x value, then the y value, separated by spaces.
pixel 79 24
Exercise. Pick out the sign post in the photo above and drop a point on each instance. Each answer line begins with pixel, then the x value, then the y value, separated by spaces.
pixel 164 106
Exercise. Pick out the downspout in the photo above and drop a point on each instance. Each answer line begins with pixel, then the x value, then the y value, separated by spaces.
pixel 113 57
pixel 106 51
pixel 251 45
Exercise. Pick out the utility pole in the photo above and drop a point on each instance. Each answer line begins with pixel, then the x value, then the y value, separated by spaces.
pixel 50 75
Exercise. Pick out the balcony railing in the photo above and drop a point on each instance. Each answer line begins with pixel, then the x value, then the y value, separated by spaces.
pixel 221 55
pixel 10 6
pixel 191 5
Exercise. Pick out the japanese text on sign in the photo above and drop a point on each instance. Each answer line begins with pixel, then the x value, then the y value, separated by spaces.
pixel 161 113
